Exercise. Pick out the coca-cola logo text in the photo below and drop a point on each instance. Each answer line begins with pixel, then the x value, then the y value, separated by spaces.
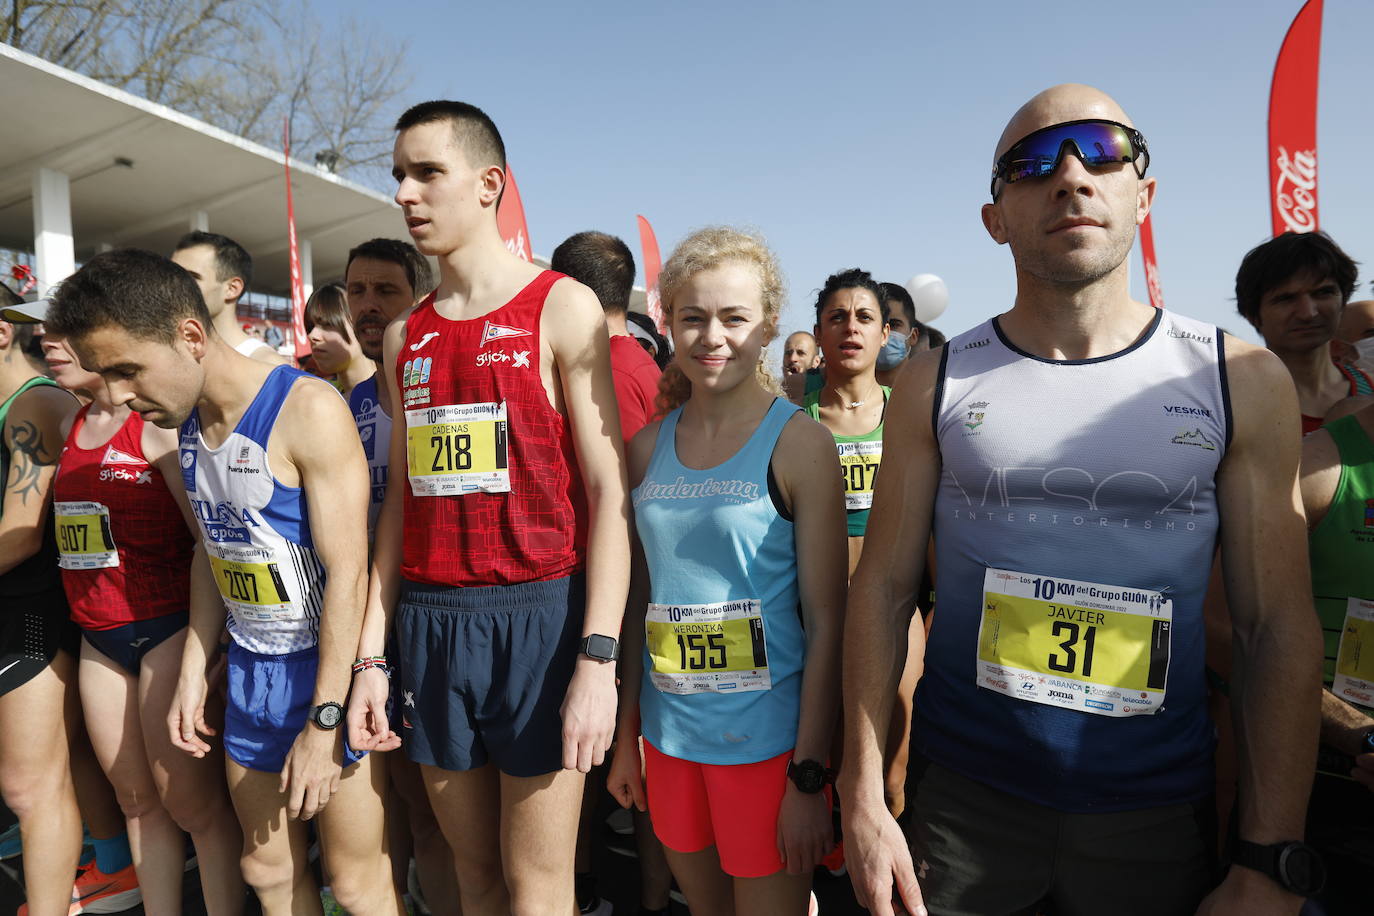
pixel 1295 190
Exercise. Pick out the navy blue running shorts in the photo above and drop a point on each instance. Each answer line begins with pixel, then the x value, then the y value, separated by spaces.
pixel 484 671
pixel 127 644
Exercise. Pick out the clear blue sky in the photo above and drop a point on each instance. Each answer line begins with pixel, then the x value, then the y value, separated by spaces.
pixel 861 134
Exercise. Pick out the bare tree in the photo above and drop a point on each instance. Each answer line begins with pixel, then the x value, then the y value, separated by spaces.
pixel 242 65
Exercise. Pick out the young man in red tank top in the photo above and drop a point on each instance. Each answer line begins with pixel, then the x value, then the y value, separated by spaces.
pixel 503 551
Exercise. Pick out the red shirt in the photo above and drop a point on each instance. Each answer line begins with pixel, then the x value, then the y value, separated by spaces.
pixel 125 550
pixel 1360 383
pixel 493 496
pixel 636 384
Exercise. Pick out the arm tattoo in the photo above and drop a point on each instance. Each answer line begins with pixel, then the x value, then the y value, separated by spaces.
pixel 29 455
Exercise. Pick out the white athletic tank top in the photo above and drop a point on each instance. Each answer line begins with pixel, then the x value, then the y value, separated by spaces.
pixel 1074 528
pixel 250 346
pixel 257 531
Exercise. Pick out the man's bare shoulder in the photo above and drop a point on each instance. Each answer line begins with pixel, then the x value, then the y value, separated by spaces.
pixel 265 354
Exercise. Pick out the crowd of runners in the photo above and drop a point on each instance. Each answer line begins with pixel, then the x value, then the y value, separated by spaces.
pixel 1062 560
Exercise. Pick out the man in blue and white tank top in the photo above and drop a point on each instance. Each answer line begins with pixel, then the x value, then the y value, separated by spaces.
pixel 383 278
pixel 1078 459
pixel 276 479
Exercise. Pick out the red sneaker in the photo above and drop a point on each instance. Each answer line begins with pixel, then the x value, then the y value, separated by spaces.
pixel 96 892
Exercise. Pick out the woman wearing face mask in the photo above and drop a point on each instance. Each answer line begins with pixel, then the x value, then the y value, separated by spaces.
pixel 738 518
pixel 336 350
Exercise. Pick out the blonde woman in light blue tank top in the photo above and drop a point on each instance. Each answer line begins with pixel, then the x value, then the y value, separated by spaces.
pixel 732 479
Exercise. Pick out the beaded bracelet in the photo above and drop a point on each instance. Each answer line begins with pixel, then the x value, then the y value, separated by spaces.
pixel 372 661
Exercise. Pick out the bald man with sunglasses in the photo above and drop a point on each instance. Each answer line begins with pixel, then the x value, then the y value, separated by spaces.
pixel 1074 458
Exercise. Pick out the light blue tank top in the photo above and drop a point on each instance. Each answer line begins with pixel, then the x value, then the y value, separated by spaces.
pixel 257 531
pixel 1074 526
pixel 724 647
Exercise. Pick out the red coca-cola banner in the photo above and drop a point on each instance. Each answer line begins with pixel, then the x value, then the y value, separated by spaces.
pixel 1293 124
pixel 294 258
pixel 1147 255
pixel 648 244
pixel 510 220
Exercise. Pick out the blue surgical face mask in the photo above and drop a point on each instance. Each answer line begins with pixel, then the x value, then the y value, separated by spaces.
pixel 893 353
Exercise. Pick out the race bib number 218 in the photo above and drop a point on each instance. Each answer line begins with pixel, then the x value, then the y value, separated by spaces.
pixel 458 449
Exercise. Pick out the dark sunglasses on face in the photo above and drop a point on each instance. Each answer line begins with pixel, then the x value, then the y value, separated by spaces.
pixel 1096 143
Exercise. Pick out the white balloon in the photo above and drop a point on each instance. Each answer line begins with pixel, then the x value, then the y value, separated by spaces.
pixel 930 295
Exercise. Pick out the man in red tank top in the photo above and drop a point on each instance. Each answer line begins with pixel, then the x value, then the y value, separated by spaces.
pixel 503 550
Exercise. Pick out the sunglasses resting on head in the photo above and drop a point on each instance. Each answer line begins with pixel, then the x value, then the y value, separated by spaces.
pixel 1095 142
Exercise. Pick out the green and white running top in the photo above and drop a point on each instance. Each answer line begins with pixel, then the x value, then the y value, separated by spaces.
pixel 1342 551
pixel 860 457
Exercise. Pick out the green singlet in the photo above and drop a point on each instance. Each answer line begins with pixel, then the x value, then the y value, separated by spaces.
pixel 1342 551
pixel 860 457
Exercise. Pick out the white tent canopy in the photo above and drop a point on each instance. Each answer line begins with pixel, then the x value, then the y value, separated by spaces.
pixel 85 166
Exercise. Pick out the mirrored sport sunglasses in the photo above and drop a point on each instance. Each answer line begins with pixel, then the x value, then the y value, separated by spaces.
pixel 1095 142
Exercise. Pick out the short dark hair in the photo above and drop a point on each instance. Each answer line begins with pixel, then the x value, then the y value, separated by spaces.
pixel 896 292
pixel 853 278
pixel 9 297
pixel 600 261
pixel 475 133
pixel 936 338
pixel 394 251
pixel 231 258
pixel 141 292
pixel 1284 257
pixel 327 307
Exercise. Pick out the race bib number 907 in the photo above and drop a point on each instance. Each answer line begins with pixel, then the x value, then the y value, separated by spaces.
pixel 700 648
pixel 1097 648
pixel 83 533
pixel 859 463
pixel 458 449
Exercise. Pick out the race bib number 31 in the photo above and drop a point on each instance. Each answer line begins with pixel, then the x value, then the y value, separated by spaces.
pixel 83 536
pixel 859 467
pixel 458 449
pixel 1100 649
pixel 703 648
pixel 1354 680
pixel 250 582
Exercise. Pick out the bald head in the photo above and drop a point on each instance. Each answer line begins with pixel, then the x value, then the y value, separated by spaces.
pixel 1065 102
pixel 799 353
pixel 1357 321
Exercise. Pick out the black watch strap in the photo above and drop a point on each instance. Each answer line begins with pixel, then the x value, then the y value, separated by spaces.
pixel 1297 867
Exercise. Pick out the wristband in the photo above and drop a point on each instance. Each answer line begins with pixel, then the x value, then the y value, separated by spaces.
pixel 372 661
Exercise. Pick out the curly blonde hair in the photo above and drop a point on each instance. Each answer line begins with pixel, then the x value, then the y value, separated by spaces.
pixel 707 249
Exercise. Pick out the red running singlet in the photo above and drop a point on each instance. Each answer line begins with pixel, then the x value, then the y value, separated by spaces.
pixel 493 495
pixel 125 551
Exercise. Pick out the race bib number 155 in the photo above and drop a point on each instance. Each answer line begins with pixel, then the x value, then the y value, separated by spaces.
pixel 700 648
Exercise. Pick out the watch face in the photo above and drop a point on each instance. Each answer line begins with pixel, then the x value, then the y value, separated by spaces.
pixel 602 647
pixel 329 715
pixel 1301 869
pixel 808 776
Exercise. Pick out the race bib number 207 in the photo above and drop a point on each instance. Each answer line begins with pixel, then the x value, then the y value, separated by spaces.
pixel 1096 648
